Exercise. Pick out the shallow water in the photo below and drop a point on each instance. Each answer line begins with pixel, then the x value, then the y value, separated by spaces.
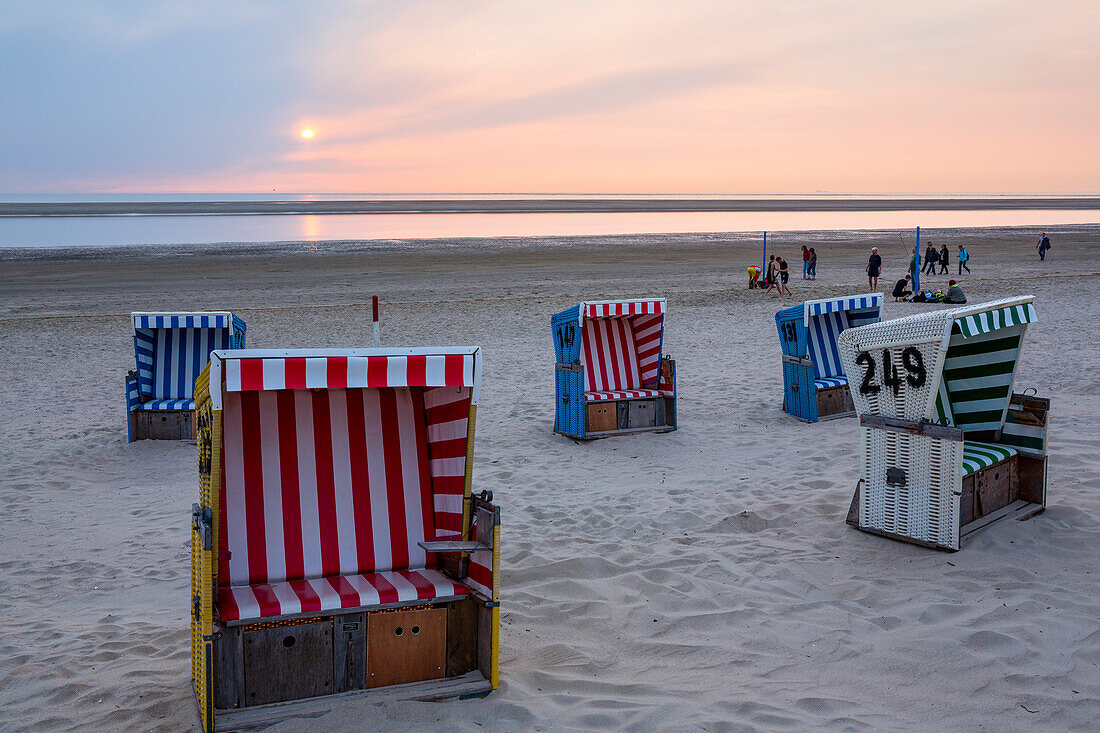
pixel 51 231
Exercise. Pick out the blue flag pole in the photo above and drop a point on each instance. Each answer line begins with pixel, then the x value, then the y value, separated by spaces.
pixel 764 256
pixel 916 271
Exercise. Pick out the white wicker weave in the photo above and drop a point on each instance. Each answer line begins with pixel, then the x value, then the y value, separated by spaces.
pixel 926 508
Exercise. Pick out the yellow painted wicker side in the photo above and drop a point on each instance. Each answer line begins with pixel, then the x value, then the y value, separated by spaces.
pixel 203 552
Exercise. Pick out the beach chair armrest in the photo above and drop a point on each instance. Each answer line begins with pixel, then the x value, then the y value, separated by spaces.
pixel 133 395
pixel 453 546
pixel 913 427
pixel 803 360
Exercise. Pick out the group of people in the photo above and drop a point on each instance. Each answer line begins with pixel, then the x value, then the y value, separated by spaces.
pixel 942 257
pixel 779 274
pixel 954 294
pixel 902 288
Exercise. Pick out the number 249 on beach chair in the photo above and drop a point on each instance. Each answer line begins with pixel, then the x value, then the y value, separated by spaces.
pixel 170 349
pixel 337 546
pixel 610 377
pixel 814 382
pixel 948 447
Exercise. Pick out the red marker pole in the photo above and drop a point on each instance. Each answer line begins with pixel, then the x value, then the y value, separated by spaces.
pixel 374 307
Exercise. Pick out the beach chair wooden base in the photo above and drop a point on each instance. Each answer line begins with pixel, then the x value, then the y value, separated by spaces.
pixel 835 402
pixel 162 425
pixel 296 667
pixel 622 417
pixel 473 684
pixel 1014 488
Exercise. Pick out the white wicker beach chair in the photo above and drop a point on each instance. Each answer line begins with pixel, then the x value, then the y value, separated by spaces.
pixel 948 447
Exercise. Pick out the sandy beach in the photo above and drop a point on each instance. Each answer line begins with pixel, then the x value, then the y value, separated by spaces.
pixel 698 580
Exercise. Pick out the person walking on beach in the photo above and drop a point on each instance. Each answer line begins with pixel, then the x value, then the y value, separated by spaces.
pixel 813 264
pixel 784 276
pixel 913 264
pixel 874 266
pixel 944 260
pixel 805 263
pixel 964 257
pixel 1042 245
pixel 931 257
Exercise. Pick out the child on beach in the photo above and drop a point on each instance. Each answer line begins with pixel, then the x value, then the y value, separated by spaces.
pixel 805 263
pixel 813 264
pixel 754 276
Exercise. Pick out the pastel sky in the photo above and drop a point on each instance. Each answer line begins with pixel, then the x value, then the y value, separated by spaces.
pixel 557 96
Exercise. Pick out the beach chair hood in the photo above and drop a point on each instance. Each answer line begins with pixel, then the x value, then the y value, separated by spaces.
pixel 968 357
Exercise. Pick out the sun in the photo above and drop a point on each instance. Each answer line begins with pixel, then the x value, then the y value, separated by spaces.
pixel 306 134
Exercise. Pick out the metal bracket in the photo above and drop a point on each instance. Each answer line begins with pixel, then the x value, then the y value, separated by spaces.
pixel 201 521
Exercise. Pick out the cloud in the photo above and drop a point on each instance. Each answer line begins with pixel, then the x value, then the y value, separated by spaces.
pixel 566 95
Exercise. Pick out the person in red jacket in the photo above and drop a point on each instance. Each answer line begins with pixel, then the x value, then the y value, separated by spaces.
pixel 805 263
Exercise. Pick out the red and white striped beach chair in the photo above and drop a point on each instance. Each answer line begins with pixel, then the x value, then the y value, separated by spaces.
pixel 336 544
pixel 610 377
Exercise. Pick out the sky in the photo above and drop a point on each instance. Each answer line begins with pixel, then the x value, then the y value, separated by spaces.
pixel 518 96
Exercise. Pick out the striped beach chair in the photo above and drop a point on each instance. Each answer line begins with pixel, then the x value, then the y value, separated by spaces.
pixel 610 376
pixel 814 382
pixel 170 349
pixel 337 546
pixel 948 446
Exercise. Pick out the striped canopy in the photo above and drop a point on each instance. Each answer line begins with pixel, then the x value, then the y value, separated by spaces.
pixel 247 370
pixel 980 366
pixel 619 308
pixel 826 319
pixel 621 343
pixel 171 349
pixel 813 308
pixel 207 319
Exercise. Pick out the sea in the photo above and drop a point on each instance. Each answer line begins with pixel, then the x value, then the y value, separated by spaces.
pixel 209 224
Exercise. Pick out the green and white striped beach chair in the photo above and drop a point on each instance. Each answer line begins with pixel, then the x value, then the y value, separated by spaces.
pixel 948 447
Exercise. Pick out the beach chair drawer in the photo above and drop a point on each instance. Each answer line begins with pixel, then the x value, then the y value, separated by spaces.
pixel 406 646
pixel 163 424
pixel 602 416
pixel 989 490
pixel 287 662
pixel 835 401
pixel 640 414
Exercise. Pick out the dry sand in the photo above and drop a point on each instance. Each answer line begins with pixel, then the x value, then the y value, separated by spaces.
pixel 699 580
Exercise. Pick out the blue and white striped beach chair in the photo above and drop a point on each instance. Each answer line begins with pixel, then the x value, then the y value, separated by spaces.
pixel 814 382
pixel 170 350
pixel 948 446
